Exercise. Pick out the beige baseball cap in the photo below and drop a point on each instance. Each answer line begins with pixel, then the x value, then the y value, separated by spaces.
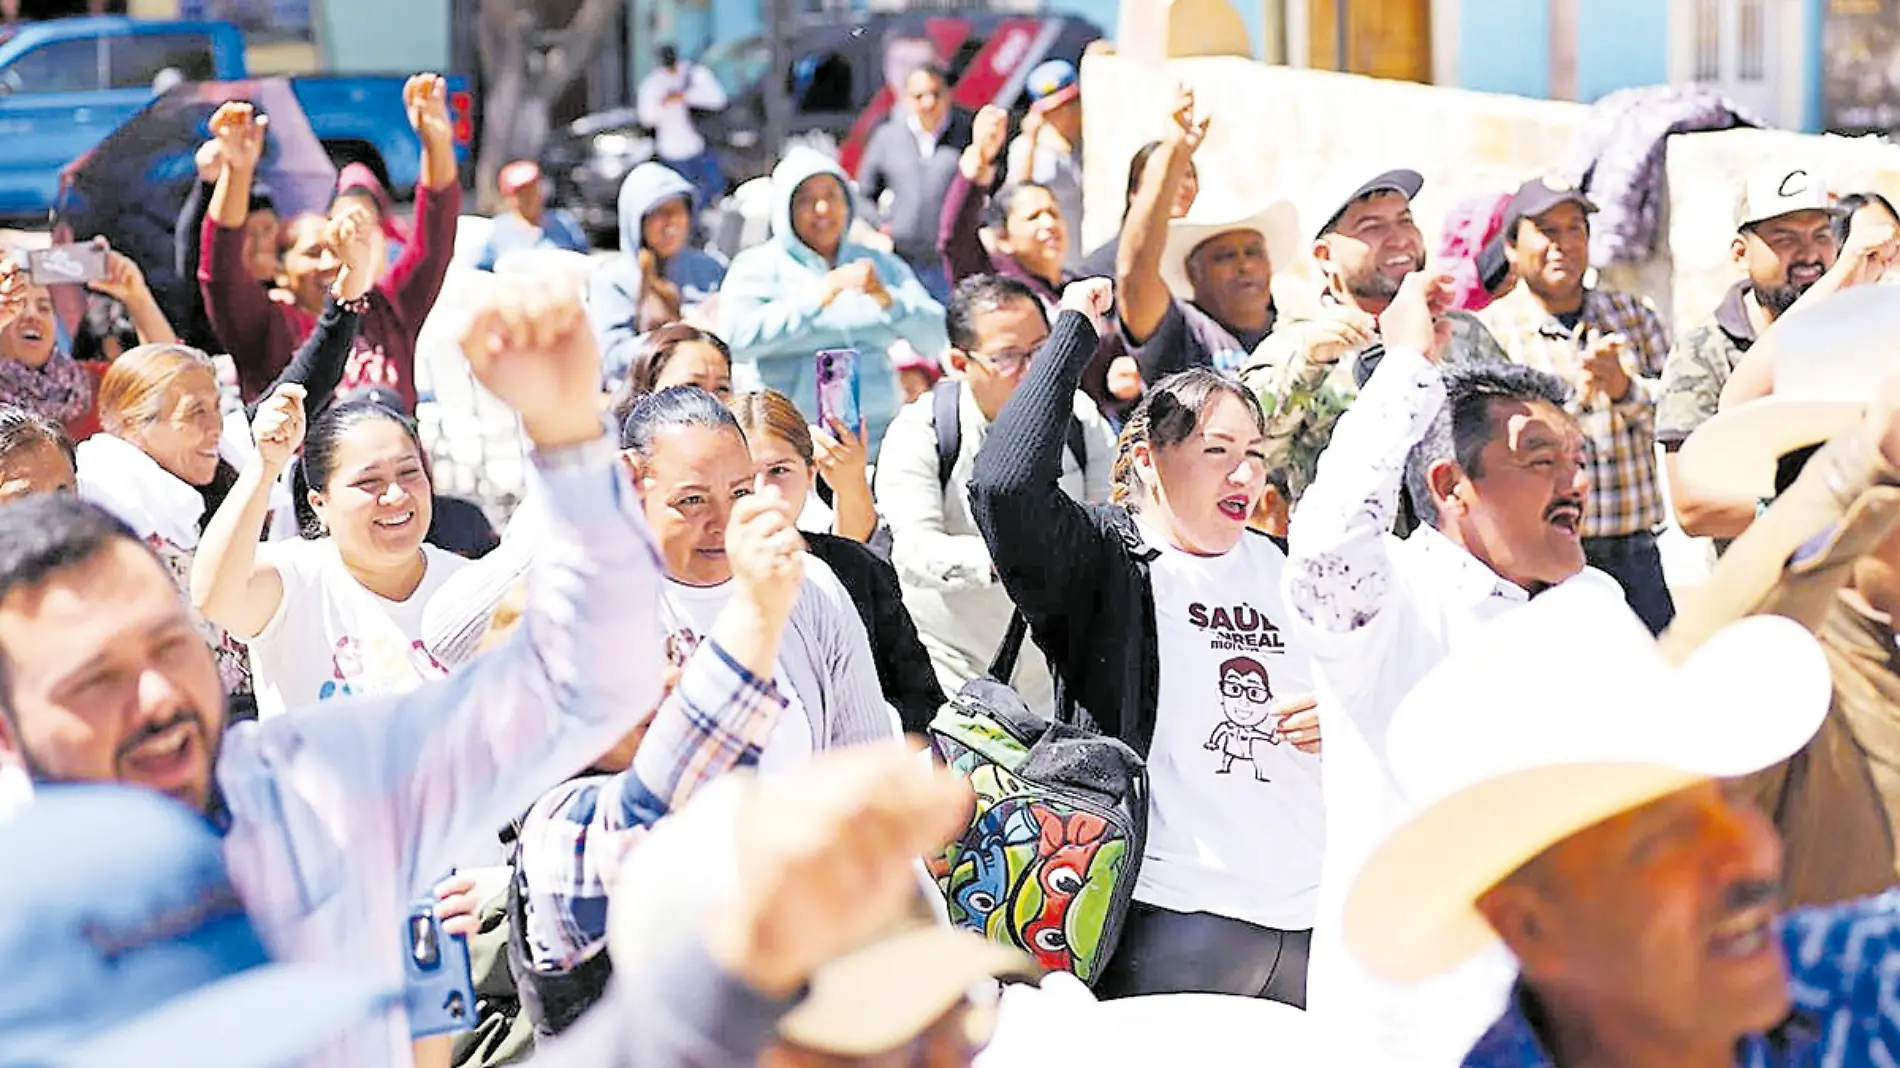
pixel 1772 192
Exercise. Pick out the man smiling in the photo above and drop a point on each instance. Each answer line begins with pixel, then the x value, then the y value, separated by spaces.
pixel 1590 832
pixel 333 818
pixel 1496 468
pixel 1610 347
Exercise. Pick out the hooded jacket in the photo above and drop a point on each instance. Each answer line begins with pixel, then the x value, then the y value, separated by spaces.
pixel 613 293
pixel 771 311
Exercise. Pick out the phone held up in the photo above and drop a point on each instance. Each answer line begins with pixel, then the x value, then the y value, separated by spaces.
pixel 439 986
pixel 837 376
pixel 66 264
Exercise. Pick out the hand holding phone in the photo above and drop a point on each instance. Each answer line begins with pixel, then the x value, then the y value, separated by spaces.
pixel 837 377
pixel 72 264
pixel 439 987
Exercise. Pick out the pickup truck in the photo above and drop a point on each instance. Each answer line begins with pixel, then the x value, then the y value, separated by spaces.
pixel 66 84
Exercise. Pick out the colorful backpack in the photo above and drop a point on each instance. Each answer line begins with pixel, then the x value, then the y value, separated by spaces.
pixel 1049 860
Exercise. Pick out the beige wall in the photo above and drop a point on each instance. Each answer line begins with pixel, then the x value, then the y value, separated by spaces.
pixel 1309 136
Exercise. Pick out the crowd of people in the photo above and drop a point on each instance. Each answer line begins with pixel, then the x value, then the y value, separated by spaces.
pixel 1319 656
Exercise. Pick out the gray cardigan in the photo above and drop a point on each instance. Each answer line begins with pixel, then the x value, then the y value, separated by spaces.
pixel 917 185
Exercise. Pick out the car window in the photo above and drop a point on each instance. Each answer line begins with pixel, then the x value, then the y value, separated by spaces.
pixel 135 62
pixel 56 67
pixel 823 82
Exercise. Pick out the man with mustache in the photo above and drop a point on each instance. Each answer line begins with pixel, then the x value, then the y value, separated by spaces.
pixel 1786 240
pixel 1610 347
pixel 1308 370
pixel 1592 834
pixel 1497 470
pixel 333 818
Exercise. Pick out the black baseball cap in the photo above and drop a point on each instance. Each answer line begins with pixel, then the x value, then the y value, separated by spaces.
pixel 1403 182
pixel 1538 196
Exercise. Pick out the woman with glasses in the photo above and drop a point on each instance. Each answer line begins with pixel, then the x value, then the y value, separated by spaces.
pixel 1162 618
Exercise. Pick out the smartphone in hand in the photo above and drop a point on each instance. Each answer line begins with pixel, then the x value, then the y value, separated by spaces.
pixel 837 376
pixel 75 264
pixel 439 984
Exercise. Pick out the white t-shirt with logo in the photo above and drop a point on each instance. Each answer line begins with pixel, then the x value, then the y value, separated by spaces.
pixel 1236 822
pixel 688 613
pixel 333 638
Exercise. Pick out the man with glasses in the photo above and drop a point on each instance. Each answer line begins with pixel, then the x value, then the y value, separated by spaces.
pixel 907 169
pixel 995 326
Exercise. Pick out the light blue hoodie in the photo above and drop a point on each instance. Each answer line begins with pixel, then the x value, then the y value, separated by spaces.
pixel 613 293
pixel 771 314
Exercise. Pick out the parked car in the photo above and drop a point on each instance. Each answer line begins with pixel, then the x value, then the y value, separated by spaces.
pixel 839 92
pixel 66 84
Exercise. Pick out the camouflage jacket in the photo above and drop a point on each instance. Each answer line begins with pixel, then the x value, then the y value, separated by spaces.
pixel 1699 366
pixel 1304 398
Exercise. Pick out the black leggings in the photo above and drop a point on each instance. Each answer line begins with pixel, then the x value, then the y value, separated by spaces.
pixel 1163 952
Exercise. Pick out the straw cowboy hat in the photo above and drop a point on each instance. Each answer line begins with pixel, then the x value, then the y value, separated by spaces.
pixel 1829 358
pixel 1507 749
pixel 1213 215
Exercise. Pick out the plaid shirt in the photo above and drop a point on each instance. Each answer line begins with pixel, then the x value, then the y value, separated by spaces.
pixel 1840 980
pixel 573 840
pixel 1625 497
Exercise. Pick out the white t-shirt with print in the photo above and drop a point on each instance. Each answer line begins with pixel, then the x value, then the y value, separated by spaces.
pixel 688 613
pixel 1236 823
pixel 332 638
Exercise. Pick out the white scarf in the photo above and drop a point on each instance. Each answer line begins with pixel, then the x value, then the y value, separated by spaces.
pixel 119 477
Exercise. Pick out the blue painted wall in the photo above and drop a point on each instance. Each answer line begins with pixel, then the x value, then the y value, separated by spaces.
pixel 1504 46
pixel 1621 43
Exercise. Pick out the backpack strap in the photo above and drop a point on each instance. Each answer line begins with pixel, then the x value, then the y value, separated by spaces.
pixel 1004 665
pixel 944 398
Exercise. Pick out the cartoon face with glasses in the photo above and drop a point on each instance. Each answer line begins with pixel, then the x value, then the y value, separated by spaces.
pixel 1246 703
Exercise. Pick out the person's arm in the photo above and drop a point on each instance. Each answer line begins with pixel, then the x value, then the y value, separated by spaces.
pixel 650 100
pixel 715 721
pixel 1047 548
pixel 762 314
pixel 452 761
pixel 124 282
pixel 959 240
pixel 959 230
pixel 1801 551
pixel 230 586
pixel 911 501
pixel 1293 377
pixel 873 174
pixel 1339 578
pixel 415 280
pixel 1691 391
pixel 903 664
pixel 247 325
pixel 185 236
pixel 1140 290
pixel 703 90
pixel 1702 514
pixel 914 313
pixel 319 362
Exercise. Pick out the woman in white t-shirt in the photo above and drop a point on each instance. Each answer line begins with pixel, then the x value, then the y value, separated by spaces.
pixel 1163 621
pixel 338 612
pixel 690 463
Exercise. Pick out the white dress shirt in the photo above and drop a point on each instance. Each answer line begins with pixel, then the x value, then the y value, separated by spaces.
pixel 1379 613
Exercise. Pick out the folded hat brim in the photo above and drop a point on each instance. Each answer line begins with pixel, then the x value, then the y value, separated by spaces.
pixel 266 1017
pixel 1735 453
pixel 884 995
pixel 1751 696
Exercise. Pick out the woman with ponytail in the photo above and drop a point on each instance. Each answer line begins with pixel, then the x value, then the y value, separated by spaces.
pixel 1162 619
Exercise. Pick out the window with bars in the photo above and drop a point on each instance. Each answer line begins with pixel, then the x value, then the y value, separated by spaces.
pixel 1731 40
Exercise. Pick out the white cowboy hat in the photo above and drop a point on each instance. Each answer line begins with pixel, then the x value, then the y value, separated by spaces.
pixel 1548 721
pixel 1830 358
pixel 1212 216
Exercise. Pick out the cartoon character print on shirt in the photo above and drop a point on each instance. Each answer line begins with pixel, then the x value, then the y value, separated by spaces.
pixel 1246 701
pixel 359 668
